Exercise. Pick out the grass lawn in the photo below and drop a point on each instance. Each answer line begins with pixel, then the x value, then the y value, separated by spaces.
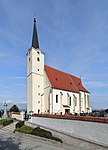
pixel 5 122
pixel 25 129
pixel 2 121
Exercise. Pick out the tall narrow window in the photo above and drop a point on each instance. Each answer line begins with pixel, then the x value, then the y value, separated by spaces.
pixel 38 59
pixel 56 98
pixel 68 98
pixel 75 100
pixel 88 100
pixel 85 100
pixel 38 52
pixel 70 101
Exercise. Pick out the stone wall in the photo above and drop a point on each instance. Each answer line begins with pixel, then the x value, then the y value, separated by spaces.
pixel 90 131
pixel 18 115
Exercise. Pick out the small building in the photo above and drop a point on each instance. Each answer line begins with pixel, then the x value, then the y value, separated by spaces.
pixel 50 90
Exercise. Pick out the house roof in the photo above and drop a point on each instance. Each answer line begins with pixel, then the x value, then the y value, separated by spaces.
pixel 64 81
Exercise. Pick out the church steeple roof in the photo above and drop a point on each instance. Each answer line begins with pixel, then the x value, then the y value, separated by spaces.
pixel 35 42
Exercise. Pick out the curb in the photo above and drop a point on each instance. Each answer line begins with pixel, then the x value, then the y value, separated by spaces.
pixel 42 139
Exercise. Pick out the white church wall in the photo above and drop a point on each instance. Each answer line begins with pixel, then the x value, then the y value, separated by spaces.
pixel 35 54
pixel 37 91
pixel 29 93
pixel 77 109
pixel 84 102
pixel 28 62
pixel 35 60
pixel 56 102
pixel 87 102
pixel 47 91
pixel 29 82
pixel 63 101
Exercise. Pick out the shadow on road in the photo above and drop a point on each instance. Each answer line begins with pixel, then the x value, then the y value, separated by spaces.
pixel 10 143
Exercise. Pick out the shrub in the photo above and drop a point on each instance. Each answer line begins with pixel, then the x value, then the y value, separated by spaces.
pixel 19 124
pixel 44 133
pixel 41 132
pixel 56 139
pixel 106 110
pixel 7 122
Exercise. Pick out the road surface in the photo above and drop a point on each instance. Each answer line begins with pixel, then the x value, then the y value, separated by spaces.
pixel 12 141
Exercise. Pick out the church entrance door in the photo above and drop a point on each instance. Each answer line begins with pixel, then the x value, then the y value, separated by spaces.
pixel 67 111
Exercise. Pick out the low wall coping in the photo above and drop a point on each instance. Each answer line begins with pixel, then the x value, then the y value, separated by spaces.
pixel 69 117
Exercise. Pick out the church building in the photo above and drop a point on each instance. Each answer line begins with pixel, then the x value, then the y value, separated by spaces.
pixel 52 91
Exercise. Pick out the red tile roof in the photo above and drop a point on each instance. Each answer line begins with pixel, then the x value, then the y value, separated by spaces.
pixel 64 81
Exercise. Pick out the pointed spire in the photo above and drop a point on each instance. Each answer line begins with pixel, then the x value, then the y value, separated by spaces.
pixel 35 43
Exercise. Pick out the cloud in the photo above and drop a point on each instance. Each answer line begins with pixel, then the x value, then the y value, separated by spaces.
pixel 17 77
pixel 93 81
pixel 21 103
pixel 96 84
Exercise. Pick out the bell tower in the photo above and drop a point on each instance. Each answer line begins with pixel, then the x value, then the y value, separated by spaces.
pixel 35 74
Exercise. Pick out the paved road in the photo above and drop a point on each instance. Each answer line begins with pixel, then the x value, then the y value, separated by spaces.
pixel 13 141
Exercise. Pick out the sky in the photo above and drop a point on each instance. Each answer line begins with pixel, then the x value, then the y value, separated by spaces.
pixel 73 34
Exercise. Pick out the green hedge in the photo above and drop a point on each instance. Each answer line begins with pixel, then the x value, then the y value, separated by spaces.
pixel 44 133
pixel 20 127
pixel 19 124
pixel 5 122
pixel 41 132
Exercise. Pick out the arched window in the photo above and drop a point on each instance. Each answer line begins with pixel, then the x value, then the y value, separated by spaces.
pixel 74 100
pixel 68 98
pixel 70 101
pixel 56 98
pixel 38 59
pixel 38 52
